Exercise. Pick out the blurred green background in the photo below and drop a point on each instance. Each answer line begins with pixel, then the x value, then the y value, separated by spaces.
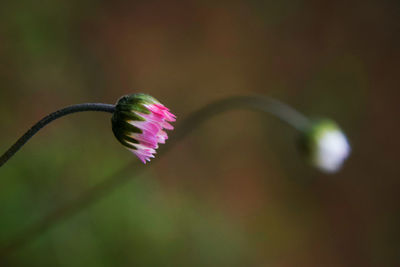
pixel 236 192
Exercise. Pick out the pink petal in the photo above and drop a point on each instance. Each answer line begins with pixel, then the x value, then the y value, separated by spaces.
pixel 167 126
pixel 149 126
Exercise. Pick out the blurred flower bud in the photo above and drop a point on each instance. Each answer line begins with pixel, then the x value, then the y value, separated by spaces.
pixel 138 123
pixel 326 146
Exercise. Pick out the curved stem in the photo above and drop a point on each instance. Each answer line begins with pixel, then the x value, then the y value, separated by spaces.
pixel 123 175
pixel 49 118
pixel 258 103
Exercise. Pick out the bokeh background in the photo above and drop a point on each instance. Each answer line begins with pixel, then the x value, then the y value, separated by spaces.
pixel 236 191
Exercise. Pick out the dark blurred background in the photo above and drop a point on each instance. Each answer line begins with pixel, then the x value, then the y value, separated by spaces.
pixel 236 191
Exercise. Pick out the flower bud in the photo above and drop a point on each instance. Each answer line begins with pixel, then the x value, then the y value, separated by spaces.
pixel 139 121
pixel 326 146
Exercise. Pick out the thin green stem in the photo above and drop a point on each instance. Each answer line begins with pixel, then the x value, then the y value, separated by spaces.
pixel 257 103
pixel 49 118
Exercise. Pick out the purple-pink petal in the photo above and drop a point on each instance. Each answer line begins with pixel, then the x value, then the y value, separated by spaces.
pixel 152 130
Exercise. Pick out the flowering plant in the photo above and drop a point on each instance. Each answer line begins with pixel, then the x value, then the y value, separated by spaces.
pixel 139 121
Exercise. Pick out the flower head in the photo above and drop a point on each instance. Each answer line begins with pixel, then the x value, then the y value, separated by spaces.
pixel 326 146
pixel 139 122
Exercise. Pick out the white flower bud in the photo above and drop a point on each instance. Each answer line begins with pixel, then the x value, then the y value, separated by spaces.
pixel 327 146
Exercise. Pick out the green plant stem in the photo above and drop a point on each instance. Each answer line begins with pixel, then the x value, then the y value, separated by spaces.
pixel 49 118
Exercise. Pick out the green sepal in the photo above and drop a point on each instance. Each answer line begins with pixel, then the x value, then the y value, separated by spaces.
pixel 129 108
pixel 308 141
